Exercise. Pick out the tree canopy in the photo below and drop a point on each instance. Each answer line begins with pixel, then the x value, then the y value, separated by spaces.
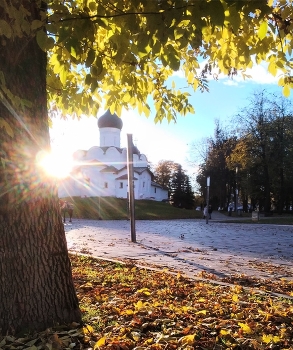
pixel 255 161
pixel 118 54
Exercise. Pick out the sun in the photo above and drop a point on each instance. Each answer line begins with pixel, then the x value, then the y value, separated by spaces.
pixel 55 164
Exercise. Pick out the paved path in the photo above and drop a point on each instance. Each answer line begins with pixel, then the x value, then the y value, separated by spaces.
pixel 190 246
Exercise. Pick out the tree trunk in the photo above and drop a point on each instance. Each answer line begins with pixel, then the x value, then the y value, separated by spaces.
pixel 36 289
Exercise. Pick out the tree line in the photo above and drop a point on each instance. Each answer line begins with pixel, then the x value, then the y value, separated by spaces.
pixel 251 166
pixel 172 176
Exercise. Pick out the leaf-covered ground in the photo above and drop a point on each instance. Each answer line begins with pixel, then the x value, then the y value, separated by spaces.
pixel 125 307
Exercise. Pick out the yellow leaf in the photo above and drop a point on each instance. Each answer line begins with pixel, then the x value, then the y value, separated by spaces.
pixel 281 81
pixel 128 312
pixel 245 327
pixel 87 329
pixel 139 305
pixel 267 338
pixel 201 300
pixel 272 68
pixel 187 339
pixel 276 339
pixel 202 312
pixel 144 291
pixel 99 343
pixel 286 90
pixel 224 332
pixel 235 298
pixel 262 31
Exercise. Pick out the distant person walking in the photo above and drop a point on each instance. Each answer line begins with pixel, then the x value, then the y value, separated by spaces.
pixel 205 211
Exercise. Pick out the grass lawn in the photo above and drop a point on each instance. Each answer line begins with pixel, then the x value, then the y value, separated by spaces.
pixel 110 208
pixel 129 308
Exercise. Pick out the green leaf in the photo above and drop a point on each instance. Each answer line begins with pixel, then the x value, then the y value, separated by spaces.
pixel 99 65
pixel 42 39
pixel 88 79
pixel 26 103
pixel 90 58
pixel 7 127
pixel 93 6
pixel 36 24
pixel 172 58
pixel 143 45
pixel 234 18
pixel 263 28
pixel 5 29
pixel 217 13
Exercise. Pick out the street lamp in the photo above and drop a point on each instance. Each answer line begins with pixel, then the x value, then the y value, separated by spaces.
pixel 208 196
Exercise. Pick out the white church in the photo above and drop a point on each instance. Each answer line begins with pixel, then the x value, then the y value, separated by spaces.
pixel 102 170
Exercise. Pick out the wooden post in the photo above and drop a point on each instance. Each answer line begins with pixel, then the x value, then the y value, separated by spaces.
pixel 208 198
pixel 131 186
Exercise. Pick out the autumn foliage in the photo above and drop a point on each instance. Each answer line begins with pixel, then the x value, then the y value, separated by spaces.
pixel 129 308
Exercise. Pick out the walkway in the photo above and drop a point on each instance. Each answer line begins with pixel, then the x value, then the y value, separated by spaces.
pixel 190 246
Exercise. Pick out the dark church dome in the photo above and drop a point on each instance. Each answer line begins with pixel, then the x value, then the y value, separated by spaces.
pixel 109 120
pixel 135 150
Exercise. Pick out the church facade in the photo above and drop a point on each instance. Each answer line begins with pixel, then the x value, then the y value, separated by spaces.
pixel 102 170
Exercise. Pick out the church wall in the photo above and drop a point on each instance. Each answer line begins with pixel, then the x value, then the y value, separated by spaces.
pixel 144 185
pixel 140 160
pixel 158 193
pixel 121 187
pixel 94 153
pixel 109 137
pixel 113 157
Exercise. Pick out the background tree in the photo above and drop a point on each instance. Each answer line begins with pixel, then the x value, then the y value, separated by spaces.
pixel 215 166
pixel 263 126
pixel 100 53
pixel 263 152
pixel 189 194
pixel 164 172
pixel 181 191
pixel 256 161
pixel 281 145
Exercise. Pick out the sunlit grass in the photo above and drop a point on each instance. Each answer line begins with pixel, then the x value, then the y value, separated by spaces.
pixel 111 208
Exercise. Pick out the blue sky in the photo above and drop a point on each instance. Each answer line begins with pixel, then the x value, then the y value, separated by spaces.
pixel 171 141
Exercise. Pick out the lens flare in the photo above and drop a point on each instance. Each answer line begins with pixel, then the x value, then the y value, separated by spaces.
pixel 56 165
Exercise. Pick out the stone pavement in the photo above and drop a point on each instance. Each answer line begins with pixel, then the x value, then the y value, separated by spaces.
pixel 190 246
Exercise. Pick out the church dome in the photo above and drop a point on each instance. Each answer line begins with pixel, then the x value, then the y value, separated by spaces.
pixel 109 120
pixel 135 150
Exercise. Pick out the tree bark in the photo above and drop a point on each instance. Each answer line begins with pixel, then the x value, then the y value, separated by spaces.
pixel 36 286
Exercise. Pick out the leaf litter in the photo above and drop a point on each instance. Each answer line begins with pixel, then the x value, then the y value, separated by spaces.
pixel 126 307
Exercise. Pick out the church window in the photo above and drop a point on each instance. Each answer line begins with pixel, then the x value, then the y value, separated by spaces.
pixel 106 184
pixel 143 184
pixel 121 185
pixel 155 190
